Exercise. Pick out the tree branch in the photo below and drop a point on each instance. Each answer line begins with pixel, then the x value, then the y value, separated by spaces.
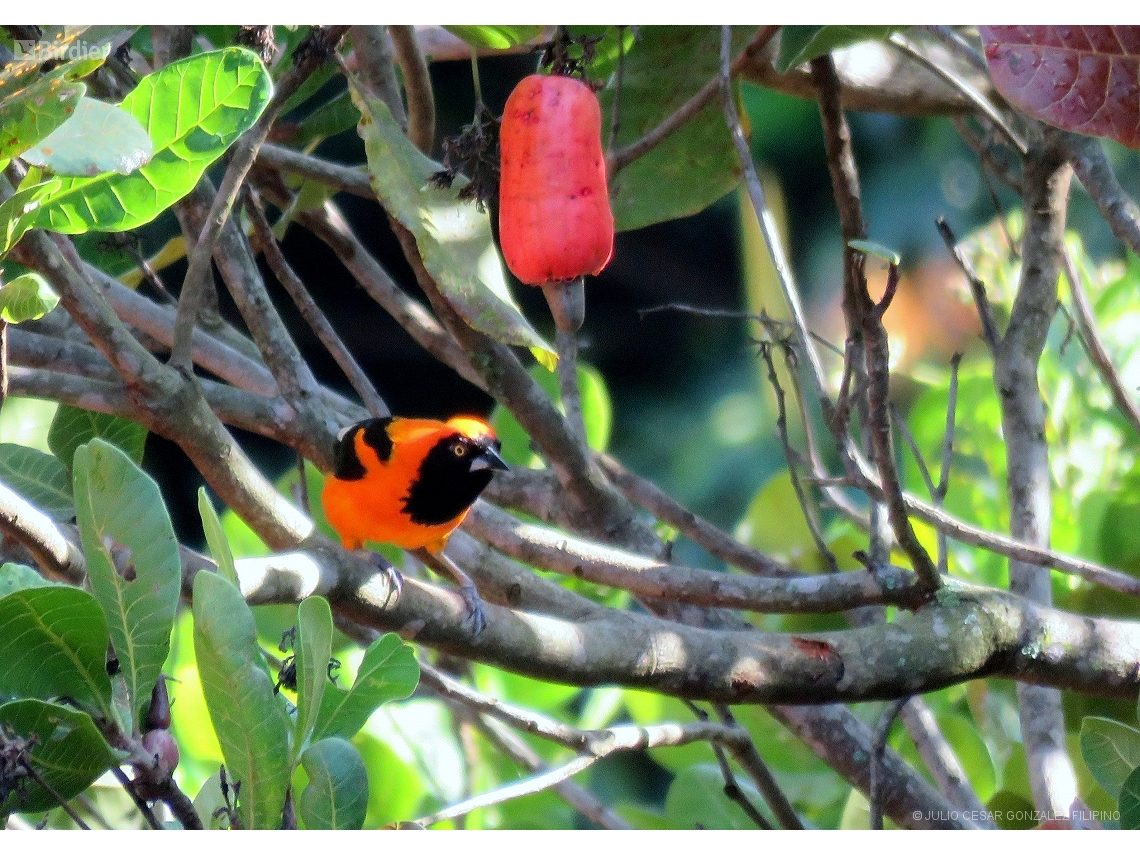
pixel 1029 483
pixel 417 86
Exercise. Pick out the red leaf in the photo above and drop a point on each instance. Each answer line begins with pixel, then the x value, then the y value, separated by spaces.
pixel 1080 78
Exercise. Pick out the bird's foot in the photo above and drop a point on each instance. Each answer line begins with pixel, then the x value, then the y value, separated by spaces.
pixel 395 580
pixel 473 613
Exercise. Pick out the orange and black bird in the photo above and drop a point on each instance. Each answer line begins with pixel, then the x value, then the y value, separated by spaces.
pixel 410 482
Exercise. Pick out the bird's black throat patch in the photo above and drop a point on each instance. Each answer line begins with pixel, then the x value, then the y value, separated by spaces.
pixel 347 464
pixel 446 486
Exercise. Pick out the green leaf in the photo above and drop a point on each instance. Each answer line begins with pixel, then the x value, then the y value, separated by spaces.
pixel 498 37
pixel 40 478
pixel 697 164
pixel 774 522
pixel 1111 750
pixel 33 113
pixel 597 413
pixel 192 110
pixel 453 237
pixel 251 724
pixel 117 504
pixel 1130 801
pixel 210 800
pixel 28 297
pixel 73 426
pixel 54 645
pixel 68 752
pixel 216 539
pixel 801 44
pixel 336 115
pixel 696 799
pixel 388 672
pixel 869 247
pixel 18 213
pixel 98 138
pixel 313 650
pixel 19 577
pixel 337 794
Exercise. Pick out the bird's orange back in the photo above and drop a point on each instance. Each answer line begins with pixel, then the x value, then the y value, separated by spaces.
pixel 372 497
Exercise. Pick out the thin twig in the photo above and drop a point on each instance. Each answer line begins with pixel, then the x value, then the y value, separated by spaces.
pixel 732 789
pixel 939 495
pixel 939 757
pixel 879 427
pixel 1094 345
pixel 626 155
pixel 574 794
pixel 417 85
pixel 648 495
pixel 607 742
pixel 768 223
pixel 801 496
pixel 749 758
pixel 311 312
pixel 129 786
pixel 899 424
pixel 878 746
pixel 977 286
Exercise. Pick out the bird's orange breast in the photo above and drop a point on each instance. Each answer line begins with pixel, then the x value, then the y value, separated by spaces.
pixel 372 508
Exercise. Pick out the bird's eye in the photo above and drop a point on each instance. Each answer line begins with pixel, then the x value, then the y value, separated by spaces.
pixel 459 450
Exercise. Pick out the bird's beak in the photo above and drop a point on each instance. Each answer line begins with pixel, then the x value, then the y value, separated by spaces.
pixel 489 459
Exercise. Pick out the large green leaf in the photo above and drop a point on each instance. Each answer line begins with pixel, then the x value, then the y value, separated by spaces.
pixel 336 796
pixel 313 649
pixel 117 504
pixel 33 113
pixel 388 672
pixel 801 43
pixel 98 138
pixel 192 110
pixel 453 237
pixel 18 213
pixel 53 643
pixel 68 752
pixel 696 799
pixel 1111 750
pixel 73 426
pixel 252 727
pixel 1130 801
pixel 28 297
pixel 696 164
pixel 40 478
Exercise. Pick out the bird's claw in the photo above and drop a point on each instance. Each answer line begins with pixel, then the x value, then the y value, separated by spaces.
pixel 473 613
pixel 395 580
